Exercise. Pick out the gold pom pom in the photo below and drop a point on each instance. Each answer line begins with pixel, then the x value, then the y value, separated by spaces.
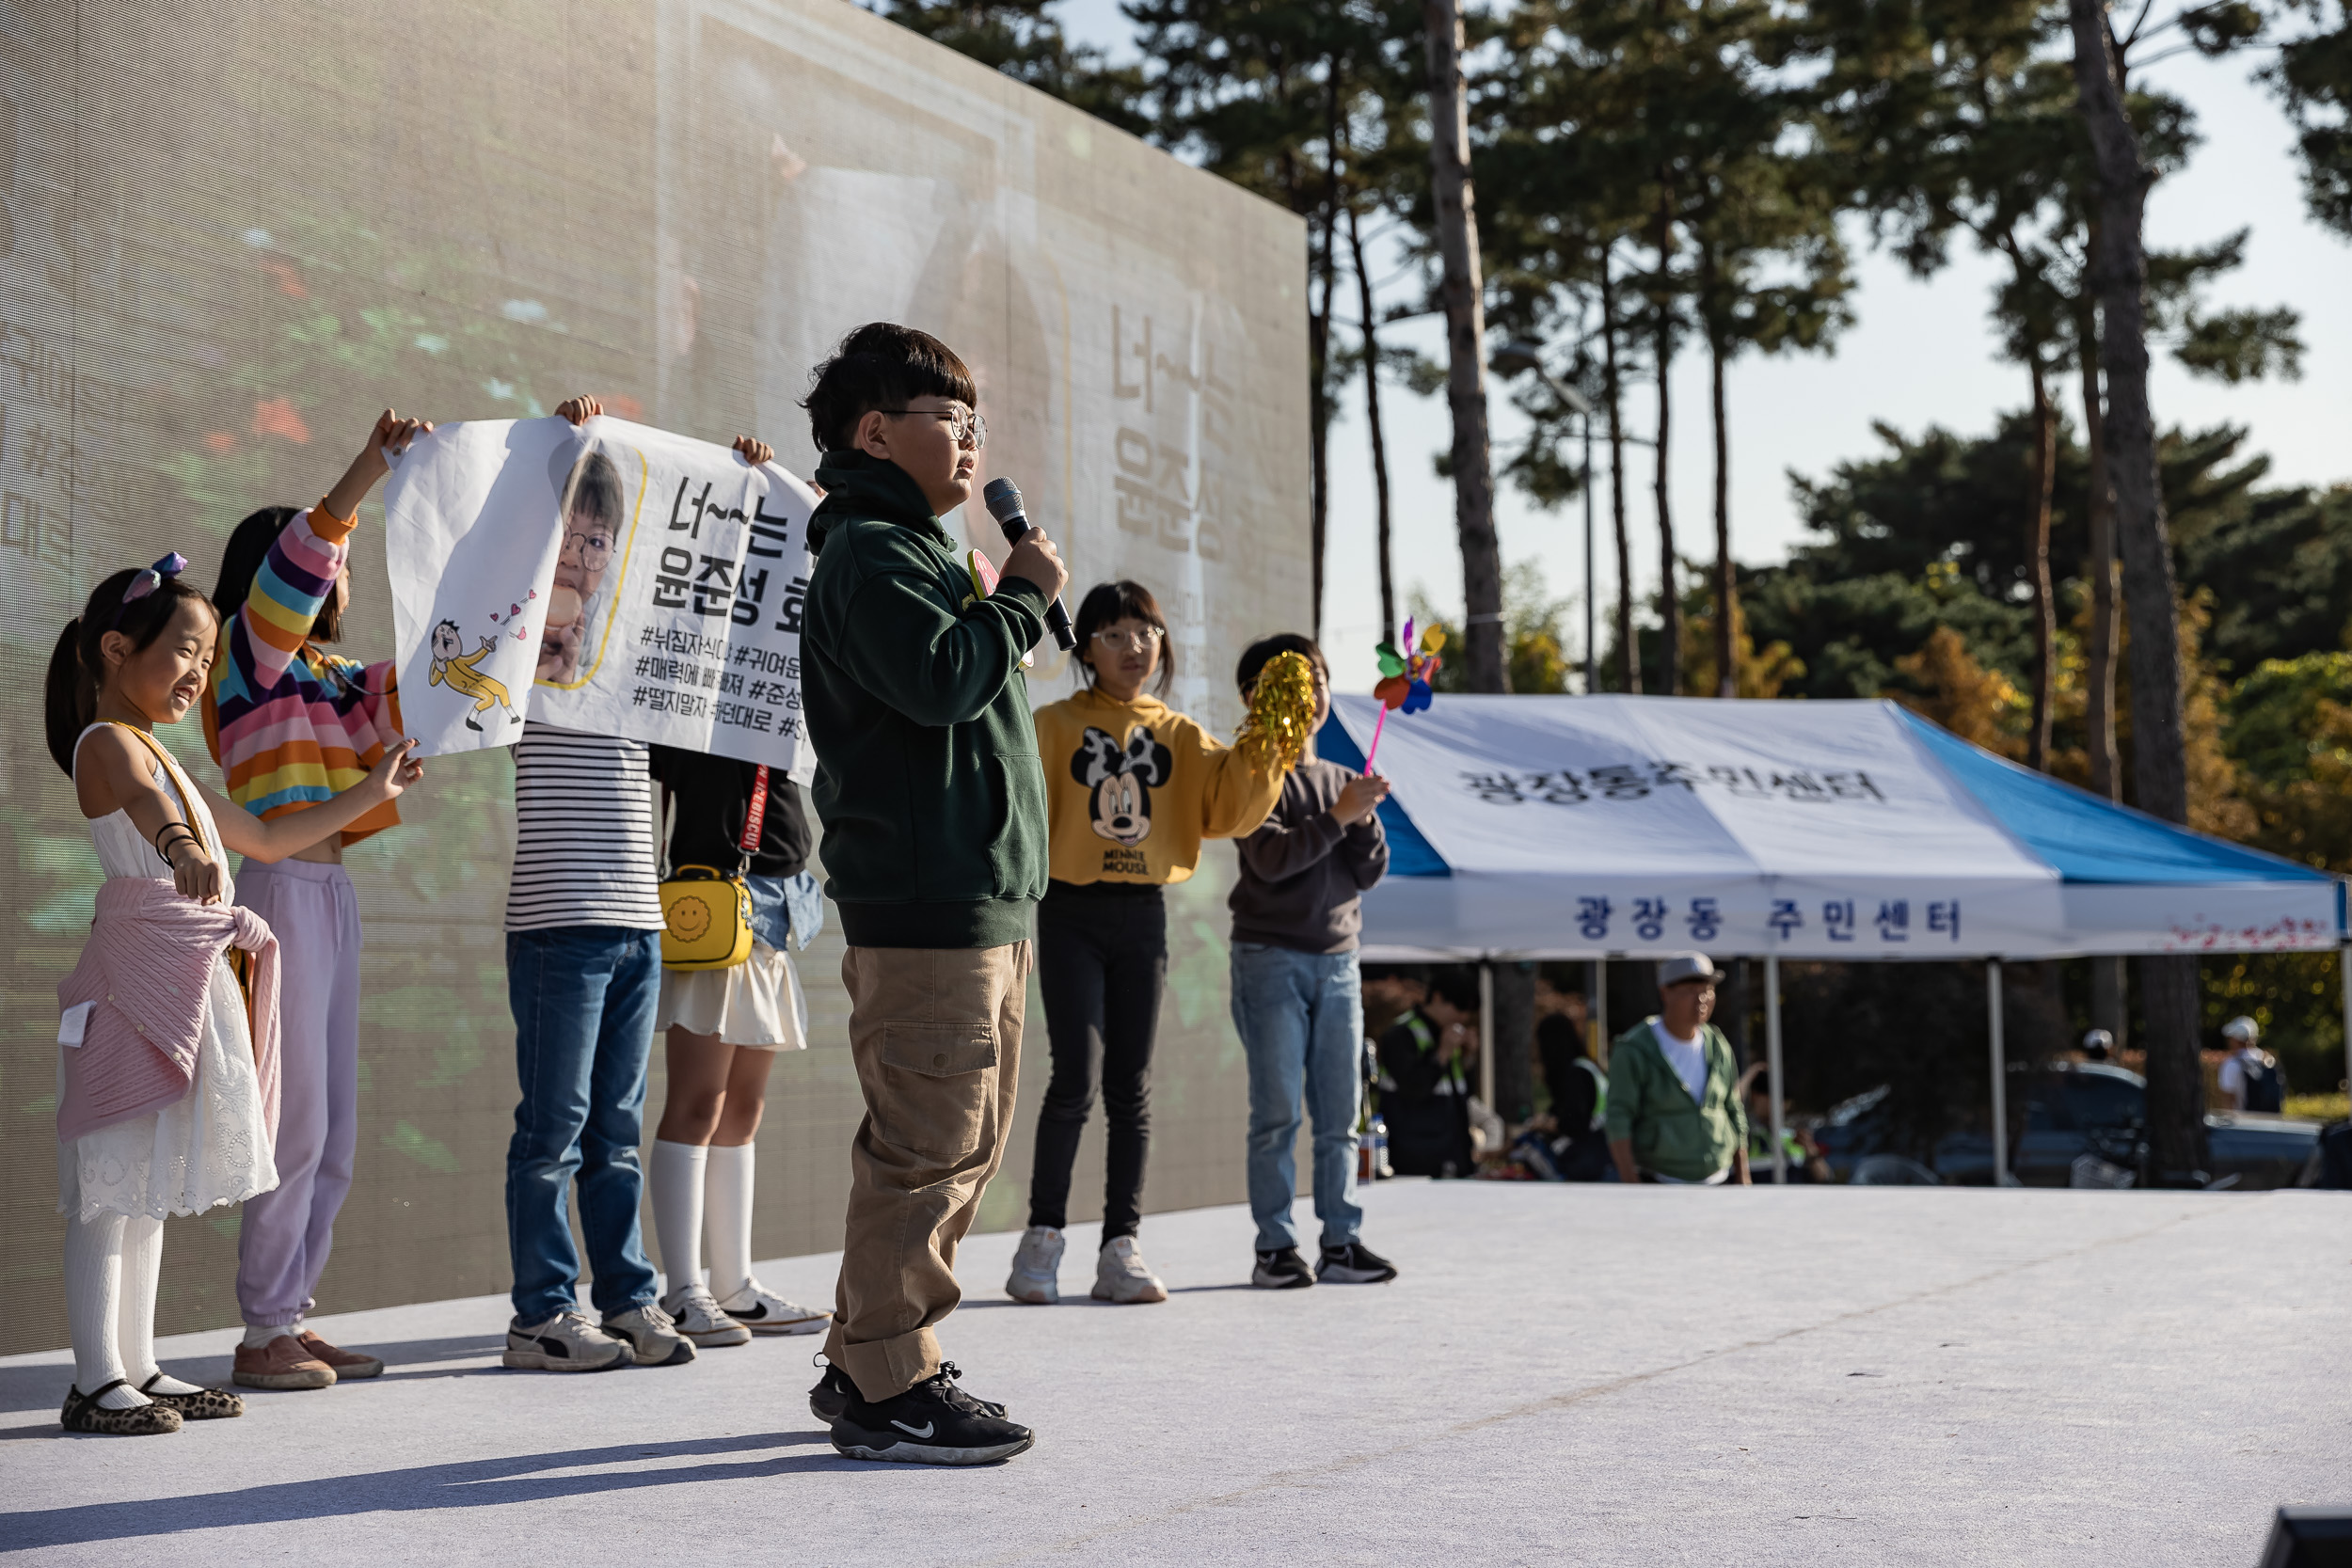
pixel 1281 723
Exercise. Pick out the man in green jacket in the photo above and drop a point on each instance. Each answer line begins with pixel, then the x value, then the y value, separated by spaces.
pixel 933 803
pixel 1674 1102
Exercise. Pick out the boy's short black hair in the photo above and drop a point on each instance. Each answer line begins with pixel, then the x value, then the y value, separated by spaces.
pixel 880 365
pixel 1259 653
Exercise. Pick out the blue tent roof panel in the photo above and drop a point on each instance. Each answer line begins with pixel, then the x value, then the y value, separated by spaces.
pixel 2091 840
pixel 1409 854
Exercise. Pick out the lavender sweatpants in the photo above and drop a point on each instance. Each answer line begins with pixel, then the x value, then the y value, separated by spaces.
pixel 288 1231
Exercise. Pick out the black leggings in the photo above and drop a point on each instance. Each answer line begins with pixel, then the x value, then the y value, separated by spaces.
pixel 1102 963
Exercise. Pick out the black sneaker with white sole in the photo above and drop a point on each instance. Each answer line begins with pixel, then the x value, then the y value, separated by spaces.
pixel 834 1393
pixel 1354 1264
pixel 932 1423
pixel 1281 1270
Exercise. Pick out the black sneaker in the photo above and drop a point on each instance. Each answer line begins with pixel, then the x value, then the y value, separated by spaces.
pixel 932 1423
pixel 1354 1264
pixel 834 1393
pixel 1281 1270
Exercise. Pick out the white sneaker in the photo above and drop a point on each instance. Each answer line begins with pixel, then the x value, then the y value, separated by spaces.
pixel 651 1335
pixel 567 1342
pixel 1036 1276
pixel 1120 1275
pixel 696 1312
pixel 763 1311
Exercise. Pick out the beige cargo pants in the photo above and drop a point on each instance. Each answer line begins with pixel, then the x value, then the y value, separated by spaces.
pixel 935 1034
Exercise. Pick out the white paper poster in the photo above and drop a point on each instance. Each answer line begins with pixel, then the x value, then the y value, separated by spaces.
pixel 611 578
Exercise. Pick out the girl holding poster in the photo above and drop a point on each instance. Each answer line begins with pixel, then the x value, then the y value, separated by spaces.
pixel 725 1027
pixel 292 725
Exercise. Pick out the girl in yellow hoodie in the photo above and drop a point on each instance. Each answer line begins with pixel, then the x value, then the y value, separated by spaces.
pixel 1132 787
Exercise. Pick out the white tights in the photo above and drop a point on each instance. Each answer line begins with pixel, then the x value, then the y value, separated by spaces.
pixel 111 1263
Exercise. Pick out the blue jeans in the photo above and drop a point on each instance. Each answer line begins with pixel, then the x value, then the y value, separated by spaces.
pixel 1302 1017
pixel 583 999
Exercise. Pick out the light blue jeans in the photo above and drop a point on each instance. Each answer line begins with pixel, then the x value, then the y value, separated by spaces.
pixel 1302 1017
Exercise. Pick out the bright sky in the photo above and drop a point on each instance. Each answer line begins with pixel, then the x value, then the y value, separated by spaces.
pixel 1920 354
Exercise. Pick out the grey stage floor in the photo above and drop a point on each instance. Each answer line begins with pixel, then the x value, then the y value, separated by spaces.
pixel 1563 1375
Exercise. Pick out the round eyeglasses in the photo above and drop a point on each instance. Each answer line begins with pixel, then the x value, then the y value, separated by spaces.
pixel 967 427
pixel 1141 640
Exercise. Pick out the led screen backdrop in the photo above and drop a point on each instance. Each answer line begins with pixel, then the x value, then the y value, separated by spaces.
pixel 230 233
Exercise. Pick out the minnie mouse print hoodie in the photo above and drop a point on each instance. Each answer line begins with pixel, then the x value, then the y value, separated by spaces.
pixel 1132 788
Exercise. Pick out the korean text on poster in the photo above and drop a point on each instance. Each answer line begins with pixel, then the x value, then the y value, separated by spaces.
pixel 611 578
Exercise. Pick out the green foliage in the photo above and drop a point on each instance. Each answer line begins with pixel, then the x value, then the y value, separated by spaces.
pixel 2276 714
pixel 2313 74
pixel 1019 39
pixel 2279 562
pixel 1940 499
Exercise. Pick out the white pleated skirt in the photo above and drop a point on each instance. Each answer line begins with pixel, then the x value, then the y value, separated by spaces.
pixel 757 1003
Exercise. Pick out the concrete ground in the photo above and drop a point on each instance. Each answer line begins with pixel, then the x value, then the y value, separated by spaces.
pixel 1563 1375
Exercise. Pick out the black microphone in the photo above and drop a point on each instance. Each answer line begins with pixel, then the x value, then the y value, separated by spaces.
pixel 1004 505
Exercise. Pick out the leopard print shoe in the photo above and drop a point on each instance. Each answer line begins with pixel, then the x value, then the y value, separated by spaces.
pixel 82 1413
pixel 205 1404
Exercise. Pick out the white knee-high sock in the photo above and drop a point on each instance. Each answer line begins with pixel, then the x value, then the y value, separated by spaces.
pixel 93 1294
pixel 677 1209
pixel 728 1192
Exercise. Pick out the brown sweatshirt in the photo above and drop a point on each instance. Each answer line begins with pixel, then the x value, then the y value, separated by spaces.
pixel 1303 874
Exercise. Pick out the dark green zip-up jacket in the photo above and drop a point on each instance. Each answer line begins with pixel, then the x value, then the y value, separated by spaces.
pixel 927 778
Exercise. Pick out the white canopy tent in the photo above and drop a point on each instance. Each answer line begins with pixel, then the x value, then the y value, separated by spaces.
pixel 1619 826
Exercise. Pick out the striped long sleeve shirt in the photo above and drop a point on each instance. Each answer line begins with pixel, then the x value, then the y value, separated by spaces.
pixel 291 725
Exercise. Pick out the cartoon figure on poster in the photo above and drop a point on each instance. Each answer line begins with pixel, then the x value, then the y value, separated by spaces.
pixel 462 673
pixel 1404 679
pixel 594 506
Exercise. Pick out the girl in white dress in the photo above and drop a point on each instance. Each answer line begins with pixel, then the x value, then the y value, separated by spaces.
pixel 139 657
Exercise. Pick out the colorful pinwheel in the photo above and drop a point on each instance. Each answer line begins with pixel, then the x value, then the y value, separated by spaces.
pixel 1405 678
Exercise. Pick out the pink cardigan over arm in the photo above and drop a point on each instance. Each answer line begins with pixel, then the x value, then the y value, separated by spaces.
pixel 148 967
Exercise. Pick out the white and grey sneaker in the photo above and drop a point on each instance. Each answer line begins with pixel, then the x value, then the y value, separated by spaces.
pixel 696 1312
pixel 567 1342
pixel 1036 1276
pixel 763 1311
pixel 652 1336
pixel 1120 1275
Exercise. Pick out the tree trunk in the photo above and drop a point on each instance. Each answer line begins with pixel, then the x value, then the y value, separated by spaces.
pixel 2099 677
pixel 1726 589
pixel 1669 596
pixel 2038 567
pixel 1372 418
pixel 2119 273
pixel 1515 1045
pixel 1318 363
pixel 1466 347
pixel 1628 651
pixel 2111 1000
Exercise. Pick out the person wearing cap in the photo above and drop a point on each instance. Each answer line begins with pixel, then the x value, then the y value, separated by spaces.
pixel 2251 1079
pixel 1673 1102
pixel 2098 1046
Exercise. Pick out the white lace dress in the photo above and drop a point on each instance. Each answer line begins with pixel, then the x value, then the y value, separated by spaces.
pixel 211 1148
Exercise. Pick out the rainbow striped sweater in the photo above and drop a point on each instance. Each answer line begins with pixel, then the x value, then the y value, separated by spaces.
pixel 289 725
